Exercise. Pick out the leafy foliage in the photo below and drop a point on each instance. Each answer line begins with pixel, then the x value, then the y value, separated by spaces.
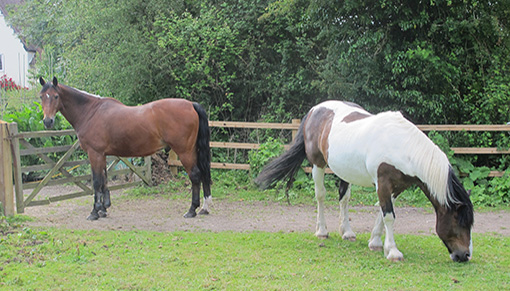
pixel 484 191
pixel 266 152
pixel 437 61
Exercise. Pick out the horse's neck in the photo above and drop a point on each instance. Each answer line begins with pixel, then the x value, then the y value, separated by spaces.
pixel 77 106
pixel 435 203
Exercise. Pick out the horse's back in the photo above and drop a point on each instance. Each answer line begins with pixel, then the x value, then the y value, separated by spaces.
pixel 359 142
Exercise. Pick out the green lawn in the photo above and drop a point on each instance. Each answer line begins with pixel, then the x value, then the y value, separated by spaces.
pixel 55 259
pixel 58 259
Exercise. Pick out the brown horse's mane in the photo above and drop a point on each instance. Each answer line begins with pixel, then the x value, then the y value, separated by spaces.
pixel 82 97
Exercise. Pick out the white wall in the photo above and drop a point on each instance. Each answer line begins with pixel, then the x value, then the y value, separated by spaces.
pixel 15 59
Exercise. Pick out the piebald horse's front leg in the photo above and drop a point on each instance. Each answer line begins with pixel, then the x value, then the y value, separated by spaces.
pixel 387 216
pixel 99 179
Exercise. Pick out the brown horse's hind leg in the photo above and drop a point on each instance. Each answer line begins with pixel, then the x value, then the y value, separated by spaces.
pixel 195 192
pixel 189 162
pixel 101 193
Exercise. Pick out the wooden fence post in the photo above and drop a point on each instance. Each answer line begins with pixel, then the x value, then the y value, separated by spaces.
pixel 294 131
pixel 172 156
pixel 6 186
pixel 148 172
pixel 16 166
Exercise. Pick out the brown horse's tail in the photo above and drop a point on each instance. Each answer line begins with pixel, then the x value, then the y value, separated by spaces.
pixel 203 147
pixel 286 165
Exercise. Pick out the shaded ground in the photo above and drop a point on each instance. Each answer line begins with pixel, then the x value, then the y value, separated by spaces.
pixel 163 214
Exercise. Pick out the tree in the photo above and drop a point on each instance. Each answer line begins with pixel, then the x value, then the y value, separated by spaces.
pixel 436 61
pixel 429 59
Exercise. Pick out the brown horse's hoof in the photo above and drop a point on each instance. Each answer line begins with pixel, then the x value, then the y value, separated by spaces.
pixel 190 214
pixel 203 212
pixel 93 216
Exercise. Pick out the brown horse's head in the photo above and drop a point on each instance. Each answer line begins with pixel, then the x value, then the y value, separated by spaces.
pixel 454 222
pixel 50 101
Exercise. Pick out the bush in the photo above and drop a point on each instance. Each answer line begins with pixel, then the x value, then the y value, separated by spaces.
pixel 267 151
pixel 495 192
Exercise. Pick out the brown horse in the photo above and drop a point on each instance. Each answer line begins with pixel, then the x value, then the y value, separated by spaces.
pixel 386 151
pixel 105 126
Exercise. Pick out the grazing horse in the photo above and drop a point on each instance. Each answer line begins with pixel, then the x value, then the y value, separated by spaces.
pixel 384 150
pixel 105 126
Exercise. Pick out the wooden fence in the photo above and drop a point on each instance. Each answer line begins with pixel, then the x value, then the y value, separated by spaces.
pixel 12 140
pixel 294 126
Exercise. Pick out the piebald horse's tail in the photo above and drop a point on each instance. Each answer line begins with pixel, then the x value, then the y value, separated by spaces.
pixel 286 165
pixel 202 145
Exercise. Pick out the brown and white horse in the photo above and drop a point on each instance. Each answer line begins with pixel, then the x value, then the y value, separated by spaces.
pixel 105 126
pixel 384 150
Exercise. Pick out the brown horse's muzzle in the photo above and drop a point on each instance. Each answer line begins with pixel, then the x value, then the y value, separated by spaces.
pixel 49 122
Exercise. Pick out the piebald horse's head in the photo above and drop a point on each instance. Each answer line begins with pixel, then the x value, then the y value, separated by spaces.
pixel 454 222
pixel 50 101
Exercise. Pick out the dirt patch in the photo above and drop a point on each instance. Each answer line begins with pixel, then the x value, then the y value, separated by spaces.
pixel 163 214
pixel 159 168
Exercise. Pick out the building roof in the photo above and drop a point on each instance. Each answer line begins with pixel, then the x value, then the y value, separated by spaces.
pixel 5 6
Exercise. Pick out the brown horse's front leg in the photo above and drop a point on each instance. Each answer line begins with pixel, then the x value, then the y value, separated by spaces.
pixel 101 192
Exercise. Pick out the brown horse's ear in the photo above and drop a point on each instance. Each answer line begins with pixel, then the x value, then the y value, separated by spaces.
pixel 55 82
pixel 41 80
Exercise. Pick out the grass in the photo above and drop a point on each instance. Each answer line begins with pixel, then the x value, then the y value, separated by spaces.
pixel 58 259
pixel 55 259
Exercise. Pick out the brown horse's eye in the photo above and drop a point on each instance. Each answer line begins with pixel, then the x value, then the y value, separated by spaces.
pixel 56 96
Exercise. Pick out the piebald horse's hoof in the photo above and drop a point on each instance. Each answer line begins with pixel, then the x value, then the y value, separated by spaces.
pixel 322 235
pixel 350 236
pixel 190 214
pixel 102 213
pixel 203 212
pixel 376 248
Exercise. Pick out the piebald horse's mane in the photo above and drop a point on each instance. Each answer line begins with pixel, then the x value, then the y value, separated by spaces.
pixel 430 164
pixel 432 167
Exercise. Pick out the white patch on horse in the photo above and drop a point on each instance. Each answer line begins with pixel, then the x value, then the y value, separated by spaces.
pixel 470 248
pixel 48 96
pixel 207 204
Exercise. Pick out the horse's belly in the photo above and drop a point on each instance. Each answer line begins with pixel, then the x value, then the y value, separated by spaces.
pixel 351 169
